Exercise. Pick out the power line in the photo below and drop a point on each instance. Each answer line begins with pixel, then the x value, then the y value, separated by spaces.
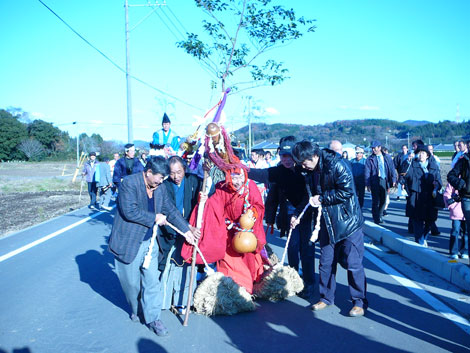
pixel 115 64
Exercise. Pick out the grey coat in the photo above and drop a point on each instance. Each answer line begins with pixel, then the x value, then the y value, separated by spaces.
pixel 105 175
pixel 133 219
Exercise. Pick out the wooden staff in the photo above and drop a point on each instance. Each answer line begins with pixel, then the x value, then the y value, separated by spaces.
pixel 200 212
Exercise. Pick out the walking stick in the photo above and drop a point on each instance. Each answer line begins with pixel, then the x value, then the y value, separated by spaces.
pixel 200 212
pixel 81 188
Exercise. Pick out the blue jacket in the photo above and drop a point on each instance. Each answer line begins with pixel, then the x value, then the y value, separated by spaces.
pixel 133 219
pixel 170 139
pixel 372 170
pixel 358 168
pixel 120 169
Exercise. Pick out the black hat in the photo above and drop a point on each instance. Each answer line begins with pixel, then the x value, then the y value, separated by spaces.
pixel 92 154
pixel 127 146
pixel 286 147
pixel 165 119
pixel 423 148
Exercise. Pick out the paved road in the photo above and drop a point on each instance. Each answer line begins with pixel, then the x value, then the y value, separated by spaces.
pixel 62 295
pixel 398 223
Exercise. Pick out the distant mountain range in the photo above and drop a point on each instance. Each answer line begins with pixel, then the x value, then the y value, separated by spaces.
pixel 416 122
pixel 359 132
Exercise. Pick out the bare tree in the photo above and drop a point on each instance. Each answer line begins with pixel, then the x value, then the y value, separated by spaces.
pixel 32 149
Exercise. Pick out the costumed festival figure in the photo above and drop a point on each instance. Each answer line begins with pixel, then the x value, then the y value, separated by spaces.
pixel 232 233
pixel 166 137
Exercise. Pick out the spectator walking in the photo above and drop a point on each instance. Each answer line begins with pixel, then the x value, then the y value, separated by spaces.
pixel 127 165
pixel 92 178
pixel 422 181
pixel 380 176
pixel 143 157
pixel 458 245
pixel 358 167
pixel 459 178
pixel 400 163
pixel 105 184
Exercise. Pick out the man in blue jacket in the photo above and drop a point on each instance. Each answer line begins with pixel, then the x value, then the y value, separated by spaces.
pixel 127 165
pixel 380 176
pixel 341 237
pixel 143 202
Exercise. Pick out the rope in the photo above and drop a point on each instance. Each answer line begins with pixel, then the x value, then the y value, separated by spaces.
pixel 236 226
pixel 290 233
pixel 316 230
pixel 210 270
pixel 148 256
pixel 314 235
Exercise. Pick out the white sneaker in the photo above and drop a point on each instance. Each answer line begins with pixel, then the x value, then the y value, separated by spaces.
pixel 464 256
pixel 107 208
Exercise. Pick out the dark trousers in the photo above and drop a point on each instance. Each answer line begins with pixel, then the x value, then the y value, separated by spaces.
pixel 378 190
pixel 458 241
pixel 466 213
pixel 348 253
pixel 300 242
pixel 421 230
pixel 92 189
pixel 360 190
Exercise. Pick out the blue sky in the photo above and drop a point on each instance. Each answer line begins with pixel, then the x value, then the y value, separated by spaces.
pixel 400 60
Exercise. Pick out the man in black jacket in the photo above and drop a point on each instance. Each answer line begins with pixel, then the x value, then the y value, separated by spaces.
pixel 341 237
pixel 183 189
pixel 290 184
pixel 459 178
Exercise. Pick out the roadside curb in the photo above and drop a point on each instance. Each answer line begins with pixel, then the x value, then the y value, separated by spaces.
pixel 455 273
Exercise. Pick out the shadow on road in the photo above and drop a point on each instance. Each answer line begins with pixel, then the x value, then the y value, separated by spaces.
pixel 96 269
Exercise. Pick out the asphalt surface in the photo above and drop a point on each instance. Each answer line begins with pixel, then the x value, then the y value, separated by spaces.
pixel 397 222
pixel 63 295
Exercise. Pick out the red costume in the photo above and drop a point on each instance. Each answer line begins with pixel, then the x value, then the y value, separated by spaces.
pixel 216 240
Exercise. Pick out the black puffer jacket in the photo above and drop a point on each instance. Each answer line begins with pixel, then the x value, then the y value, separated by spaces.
pixel 340 206
pixel 459 176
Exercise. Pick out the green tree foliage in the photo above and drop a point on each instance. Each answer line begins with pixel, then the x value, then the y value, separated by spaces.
pixel 259 26
pixel 47 134
pixel 12 132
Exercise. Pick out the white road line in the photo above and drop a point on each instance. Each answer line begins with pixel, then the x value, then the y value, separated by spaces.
pixel 419 292
pixel 47 237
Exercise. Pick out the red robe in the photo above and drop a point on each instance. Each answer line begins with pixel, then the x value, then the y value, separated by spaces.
pixel 216 240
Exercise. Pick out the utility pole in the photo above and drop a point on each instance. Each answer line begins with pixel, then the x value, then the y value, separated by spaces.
pixel 78 145
pixel 130 128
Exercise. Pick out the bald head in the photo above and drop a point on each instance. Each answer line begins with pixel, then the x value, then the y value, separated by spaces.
pixel 336 146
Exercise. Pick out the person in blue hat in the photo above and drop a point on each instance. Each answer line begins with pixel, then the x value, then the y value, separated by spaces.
pixel 166 136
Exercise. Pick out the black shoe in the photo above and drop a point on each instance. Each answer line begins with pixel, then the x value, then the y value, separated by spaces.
pixel 158 327
pixel 384 213
pixel 436 233
pixel 307 293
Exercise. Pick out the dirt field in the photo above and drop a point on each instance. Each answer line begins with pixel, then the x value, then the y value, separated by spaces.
pixel 31 193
